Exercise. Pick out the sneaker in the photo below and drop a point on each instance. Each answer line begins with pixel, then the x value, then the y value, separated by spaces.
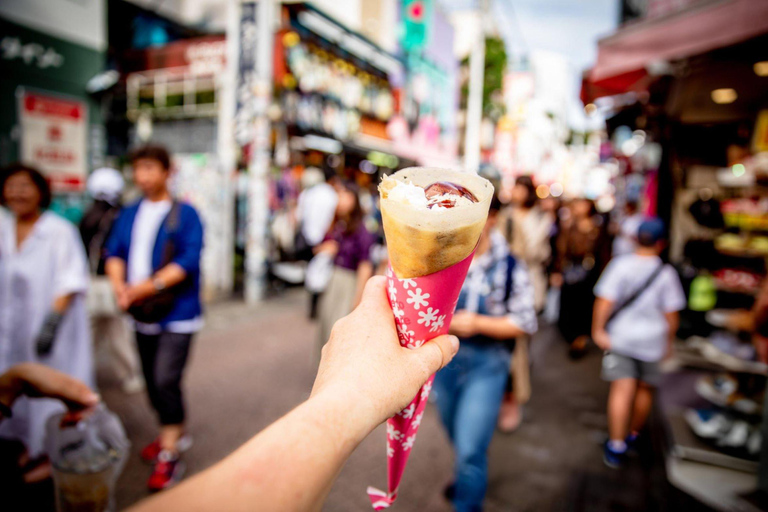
pixel 708 424
pixel 168 471
pixel 632 442
pixel 612 458
pixel 152 450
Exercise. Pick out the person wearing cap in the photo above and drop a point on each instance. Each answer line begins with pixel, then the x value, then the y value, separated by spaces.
pixel 108 324
pixel 636 315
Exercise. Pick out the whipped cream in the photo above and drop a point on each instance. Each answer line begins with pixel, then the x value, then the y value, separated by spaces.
pixel 414 195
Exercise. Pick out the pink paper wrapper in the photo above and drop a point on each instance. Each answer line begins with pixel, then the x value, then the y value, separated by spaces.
pixel 423 308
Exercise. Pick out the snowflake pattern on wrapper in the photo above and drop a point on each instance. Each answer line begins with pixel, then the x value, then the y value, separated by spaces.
pixel 417 298
pixel 428 317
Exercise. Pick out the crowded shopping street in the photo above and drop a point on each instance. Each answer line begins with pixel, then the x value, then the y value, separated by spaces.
pixel 553 462
pixel 419 255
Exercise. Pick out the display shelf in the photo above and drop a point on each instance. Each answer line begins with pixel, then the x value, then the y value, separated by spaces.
pixel 686 356
pixel 691 464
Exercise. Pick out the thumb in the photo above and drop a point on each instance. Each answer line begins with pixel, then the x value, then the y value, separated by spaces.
pixel 437 353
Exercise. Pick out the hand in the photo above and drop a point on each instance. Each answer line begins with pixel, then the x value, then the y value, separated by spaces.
pixel 464 324
pixel 556 280
pixel 364 366
pixel 36 380
pixel 329 246
pixel 121 296
pixel 135 293
pixel 602 339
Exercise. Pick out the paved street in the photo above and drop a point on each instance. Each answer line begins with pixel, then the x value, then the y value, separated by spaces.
pixel 251 365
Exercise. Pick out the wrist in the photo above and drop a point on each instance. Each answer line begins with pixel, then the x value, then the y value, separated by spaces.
pixel 335 406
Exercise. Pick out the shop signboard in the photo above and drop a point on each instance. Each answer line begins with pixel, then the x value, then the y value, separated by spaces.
pixel 54 138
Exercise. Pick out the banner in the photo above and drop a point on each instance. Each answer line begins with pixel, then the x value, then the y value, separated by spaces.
pixel 54 138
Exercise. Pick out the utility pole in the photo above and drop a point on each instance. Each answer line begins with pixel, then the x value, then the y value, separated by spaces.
pixel 475 100
pixel 251 25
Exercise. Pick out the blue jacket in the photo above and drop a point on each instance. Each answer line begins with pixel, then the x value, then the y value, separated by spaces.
pixel 188 243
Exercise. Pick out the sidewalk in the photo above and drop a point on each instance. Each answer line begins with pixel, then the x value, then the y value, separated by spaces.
pixel 249 366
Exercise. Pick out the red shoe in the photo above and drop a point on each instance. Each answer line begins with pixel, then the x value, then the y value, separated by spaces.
pixel 152 450
pixel 168 471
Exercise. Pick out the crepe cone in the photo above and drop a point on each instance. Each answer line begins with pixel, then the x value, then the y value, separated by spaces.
pixel 430 252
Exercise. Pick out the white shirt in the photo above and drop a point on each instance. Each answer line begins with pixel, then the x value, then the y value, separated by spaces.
pixel 50 263
pixel 640 330
pixel 146 225
pixel 149 217
pixel 315 211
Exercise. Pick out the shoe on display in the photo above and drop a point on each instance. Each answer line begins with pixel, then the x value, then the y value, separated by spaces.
pixel 708 424
pixel 736 437
pixel 717 388
pixel 169 469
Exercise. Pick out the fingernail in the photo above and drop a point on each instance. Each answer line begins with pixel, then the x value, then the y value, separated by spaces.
pixel 454 343
pixel 92 398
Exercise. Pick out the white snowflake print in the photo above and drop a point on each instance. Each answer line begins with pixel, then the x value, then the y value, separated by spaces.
pixel 437 324
pixel 425 390
pixel 408 283
pixel 390 274
pixel 428 316
pixel 417 298
pixel 390 451
pixel 399 313
pixel 392 292
pixel 417 420
pixel 415 344
pixel 403 332
pixel 393 433
pixel 407 413
pixel 408 443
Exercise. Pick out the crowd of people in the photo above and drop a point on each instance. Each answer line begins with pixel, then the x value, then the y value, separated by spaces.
pixel 603 272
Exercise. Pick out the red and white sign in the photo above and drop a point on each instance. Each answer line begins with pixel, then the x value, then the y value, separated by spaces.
pixel 53 138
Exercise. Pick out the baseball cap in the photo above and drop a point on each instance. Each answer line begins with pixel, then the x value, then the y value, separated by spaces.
pixel 651 231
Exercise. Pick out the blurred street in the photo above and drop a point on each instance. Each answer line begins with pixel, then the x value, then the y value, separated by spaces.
pixel 251 365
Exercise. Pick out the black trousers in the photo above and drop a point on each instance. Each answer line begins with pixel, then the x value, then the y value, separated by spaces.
pixel 163 357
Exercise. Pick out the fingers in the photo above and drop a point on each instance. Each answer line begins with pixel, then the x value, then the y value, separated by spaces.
pixel 375 296
pixel 42 381
pixel 437 353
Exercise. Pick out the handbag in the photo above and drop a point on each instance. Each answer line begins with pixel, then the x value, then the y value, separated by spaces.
pixel 319 272
pixel 100 298
pixel 153 309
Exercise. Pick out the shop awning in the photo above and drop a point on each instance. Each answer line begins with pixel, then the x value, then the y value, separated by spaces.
pixel 705 27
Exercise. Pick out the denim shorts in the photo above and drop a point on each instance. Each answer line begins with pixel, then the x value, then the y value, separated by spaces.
pixel 618 366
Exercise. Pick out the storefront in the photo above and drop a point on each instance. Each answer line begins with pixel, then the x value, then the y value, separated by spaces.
pixel 48 119
pixel 702 95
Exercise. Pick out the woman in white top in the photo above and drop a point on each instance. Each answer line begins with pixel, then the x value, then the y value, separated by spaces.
pixel 43 277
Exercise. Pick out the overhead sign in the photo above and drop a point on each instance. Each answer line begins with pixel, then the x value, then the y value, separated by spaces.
pixel 53 138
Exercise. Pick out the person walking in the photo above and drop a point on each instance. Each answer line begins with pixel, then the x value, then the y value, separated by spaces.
pixel 581 256
pixel 105 186
pixel 43 319
pixel 349 244
pixel 625 241
pixel 153 262
pixel 315 212
pixel 495 306
pixel 636 316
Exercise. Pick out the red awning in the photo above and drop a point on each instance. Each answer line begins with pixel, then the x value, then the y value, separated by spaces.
pixel 632 81
pixel 707 26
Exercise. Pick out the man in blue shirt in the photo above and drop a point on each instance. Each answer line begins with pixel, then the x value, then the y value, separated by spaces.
pixel 154 266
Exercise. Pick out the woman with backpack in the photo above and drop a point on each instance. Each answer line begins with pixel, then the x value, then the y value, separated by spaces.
pixel 496 305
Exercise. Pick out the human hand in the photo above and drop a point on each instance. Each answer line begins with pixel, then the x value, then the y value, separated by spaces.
pixel 556 280
pixel 329 246
pixel 364 366
pixel 36 380
pixel 464 324
pixel 602 339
